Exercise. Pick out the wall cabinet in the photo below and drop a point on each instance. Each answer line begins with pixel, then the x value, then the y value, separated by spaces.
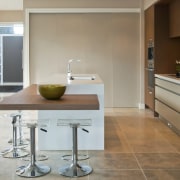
pixel 167 102
pixel 174 10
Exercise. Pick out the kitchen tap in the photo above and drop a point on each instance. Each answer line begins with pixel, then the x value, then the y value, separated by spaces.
pixel 69 66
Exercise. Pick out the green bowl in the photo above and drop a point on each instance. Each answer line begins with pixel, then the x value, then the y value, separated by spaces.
pixel 52 91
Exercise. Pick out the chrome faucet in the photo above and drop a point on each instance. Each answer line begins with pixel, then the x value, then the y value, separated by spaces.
pixel 69 67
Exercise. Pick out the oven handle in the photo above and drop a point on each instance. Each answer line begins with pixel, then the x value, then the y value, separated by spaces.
pixel 149 69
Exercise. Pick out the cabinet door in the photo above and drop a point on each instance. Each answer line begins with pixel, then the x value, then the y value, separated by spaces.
pixel 149 93
pixel 149 34
pixel 175 18
pixel 12 59
pixel 167 97
pixel 169 114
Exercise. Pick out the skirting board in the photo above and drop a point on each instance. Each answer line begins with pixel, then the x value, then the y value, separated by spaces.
pixel 141 106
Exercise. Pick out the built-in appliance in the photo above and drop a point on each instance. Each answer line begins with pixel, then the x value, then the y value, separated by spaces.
pixel 150 54
pixel 150 64
pixel 150 78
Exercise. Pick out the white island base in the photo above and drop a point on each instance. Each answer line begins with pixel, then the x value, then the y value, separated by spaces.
pixel 59 137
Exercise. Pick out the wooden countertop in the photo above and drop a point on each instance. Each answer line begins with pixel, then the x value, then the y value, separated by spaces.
pixel 28 99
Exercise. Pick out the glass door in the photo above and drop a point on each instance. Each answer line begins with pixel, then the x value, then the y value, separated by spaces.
pixel 11 46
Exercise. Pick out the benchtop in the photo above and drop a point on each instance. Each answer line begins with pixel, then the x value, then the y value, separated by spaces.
pixel 29 99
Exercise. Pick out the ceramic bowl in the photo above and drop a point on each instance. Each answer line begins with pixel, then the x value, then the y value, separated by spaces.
pixel 51 91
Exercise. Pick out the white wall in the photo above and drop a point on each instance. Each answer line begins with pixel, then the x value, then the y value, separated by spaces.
pixel 11 4
pixel 82 3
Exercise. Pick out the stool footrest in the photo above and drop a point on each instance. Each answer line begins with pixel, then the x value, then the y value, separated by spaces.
pixel 81 157
pixel 16 153
pixel 39 157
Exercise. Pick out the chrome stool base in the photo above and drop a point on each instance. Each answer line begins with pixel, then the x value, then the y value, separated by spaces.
pixel 75 170
pixel 32 170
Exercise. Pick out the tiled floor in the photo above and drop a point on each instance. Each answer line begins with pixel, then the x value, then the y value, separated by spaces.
pixel 137 147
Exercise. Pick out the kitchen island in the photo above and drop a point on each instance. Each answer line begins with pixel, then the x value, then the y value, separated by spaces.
pixel 70 106
pixel 167 99
pixel 77 103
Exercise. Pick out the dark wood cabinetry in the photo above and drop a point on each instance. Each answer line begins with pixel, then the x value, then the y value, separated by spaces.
pixel 166 50
pixel 174 12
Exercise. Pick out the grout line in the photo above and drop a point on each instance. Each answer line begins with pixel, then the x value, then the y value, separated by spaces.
pixel 140 166
pixel 131 148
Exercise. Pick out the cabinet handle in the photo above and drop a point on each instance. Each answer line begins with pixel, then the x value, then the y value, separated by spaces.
pixel 150 92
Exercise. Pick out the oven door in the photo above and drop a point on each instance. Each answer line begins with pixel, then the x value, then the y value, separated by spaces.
pixel 150 78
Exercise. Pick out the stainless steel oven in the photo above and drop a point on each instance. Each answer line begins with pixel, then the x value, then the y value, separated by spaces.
pixel 150 64
pixel 150 78
pixel 150 54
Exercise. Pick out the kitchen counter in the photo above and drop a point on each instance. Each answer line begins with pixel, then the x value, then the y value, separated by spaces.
pixel 167 100
pixel 60 137
pixel 168 77
pixel 62 78
pixel 83 99
pixel 29 99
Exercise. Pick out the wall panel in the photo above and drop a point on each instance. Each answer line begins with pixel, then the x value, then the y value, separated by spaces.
pixel 107 44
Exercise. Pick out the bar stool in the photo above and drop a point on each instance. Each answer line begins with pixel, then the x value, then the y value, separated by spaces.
pixel 15 151
pixel 32 169
pixel 75 169
pixel 21 141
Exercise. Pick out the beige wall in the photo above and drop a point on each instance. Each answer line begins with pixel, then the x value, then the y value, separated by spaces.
pixel 148 3
pixel 107 44
pixel 11 4
pixel 11 16
pixel 81 3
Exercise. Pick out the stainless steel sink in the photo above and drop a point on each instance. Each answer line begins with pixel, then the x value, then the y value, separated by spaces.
pixel 82 77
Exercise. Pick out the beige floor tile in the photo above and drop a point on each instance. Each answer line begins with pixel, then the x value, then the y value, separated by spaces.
pixel 117 175
pixel 162 174
pixel 115 139
pixel 113 161
pixel 144 135
pixel 159 160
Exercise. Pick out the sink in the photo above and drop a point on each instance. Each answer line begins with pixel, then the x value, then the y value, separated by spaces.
pixel 82 78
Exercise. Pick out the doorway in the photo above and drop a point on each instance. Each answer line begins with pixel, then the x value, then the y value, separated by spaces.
pixel 11 49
